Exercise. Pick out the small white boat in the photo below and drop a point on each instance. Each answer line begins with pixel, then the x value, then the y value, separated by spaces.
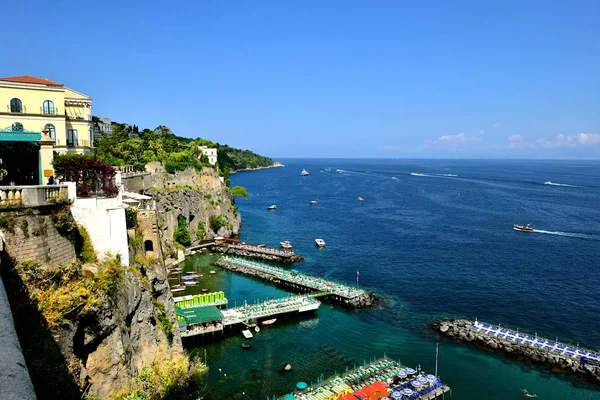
pixel 313 202
pixel 286 244
pixel 177 289
pixel 190 283
pixel 269 322
pixel 360 199
pixel 304 172
pixel 247 334
pixel 212 271
pixel 191 275
pixel 320 242
pixel 256 329
pixel 273 207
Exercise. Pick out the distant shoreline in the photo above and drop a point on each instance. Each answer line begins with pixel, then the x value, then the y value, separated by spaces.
pixel 276 164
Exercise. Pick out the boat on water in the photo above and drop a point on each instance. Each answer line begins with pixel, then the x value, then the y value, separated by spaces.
pixel 246 345
pixel 256 329
pixel 360 199
pixel 269 322
pixel 304 172
pixel 177 289
pixel 320 242
pixel 191 275
pixel 190 283
pixel 286 244
pixel 313 202
pixel 247 334
pixel 273 207
pixel 212 271
pixel 523 228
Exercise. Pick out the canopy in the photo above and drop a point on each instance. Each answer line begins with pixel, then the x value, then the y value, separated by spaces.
pixel 288 397
pixel 416 383
pixel 136 196
pixel 410 371
pixel 301 385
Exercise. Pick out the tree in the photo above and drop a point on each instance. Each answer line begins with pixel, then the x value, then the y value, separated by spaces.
pixel 239 191
pixel 181 234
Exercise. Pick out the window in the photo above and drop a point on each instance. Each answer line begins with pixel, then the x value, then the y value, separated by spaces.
pixel 48 107
pixel 17 127
pixel 51 131
pixel 72 137
pixel 16 105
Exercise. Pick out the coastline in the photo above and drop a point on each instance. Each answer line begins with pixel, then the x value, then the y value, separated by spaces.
pixel 276 164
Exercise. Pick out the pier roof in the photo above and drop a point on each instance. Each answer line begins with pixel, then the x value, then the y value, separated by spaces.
pixel 198 315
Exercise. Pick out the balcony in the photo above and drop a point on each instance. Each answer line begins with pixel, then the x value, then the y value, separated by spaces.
pixel 72 143
pixel 32 196
pixel 52 114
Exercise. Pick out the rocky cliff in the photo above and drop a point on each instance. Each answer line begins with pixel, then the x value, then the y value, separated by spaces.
pixel 200 197
pixel 86 326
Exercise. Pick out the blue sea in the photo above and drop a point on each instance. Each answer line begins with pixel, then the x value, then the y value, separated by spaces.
pixel 434 239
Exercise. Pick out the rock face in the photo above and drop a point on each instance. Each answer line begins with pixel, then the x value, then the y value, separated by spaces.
pixel 196 196
pixel 460 329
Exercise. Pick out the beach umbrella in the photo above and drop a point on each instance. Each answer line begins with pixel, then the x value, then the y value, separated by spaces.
pixel 431 378
pixel 401 374
pixel 396 395
pixel 416 383
pixel 422 379
pixel 410 371
pixel 407 392
pixel 301 385
pixel 288 397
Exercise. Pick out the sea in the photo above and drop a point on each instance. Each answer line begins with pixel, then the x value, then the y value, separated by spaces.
pixel 434 239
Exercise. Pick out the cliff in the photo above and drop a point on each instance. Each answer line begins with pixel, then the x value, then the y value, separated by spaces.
pixel 85 326
pixel 200 198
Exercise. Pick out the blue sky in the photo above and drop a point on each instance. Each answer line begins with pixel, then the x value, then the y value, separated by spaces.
pixel 330 78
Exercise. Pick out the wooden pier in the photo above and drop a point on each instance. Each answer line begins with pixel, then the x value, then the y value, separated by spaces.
pixel 197 320
pixel 340 293
pixel 379 379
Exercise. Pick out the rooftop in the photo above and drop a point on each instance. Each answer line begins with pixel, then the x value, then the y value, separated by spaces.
pixel 31 79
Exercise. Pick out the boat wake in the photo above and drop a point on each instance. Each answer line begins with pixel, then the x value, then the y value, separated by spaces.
pixel 558 184
pixel 568 234
pixel 394 178
pixel 434 175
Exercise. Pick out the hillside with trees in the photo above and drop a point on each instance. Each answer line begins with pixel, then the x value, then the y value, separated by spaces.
pixel 127 145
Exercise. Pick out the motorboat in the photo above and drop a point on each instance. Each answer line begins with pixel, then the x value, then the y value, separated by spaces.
pixel 247 334
pixel 360 199
pixel 286 368
pixel 273 207
pixel 523 228
pixel 177 289
pixel 212 271
pixel 246 345
pixel 286 244
pixel 261 246
pixel 320 242
pixel 256 329
pixel 313 202
pixel 190 283
pixel 269 322
pixel 191 275
pixel 304 172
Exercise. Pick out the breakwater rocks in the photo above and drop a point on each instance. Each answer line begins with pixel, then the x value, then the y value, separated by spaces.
pixel 279 257
pixel 365 299
pixel 463 330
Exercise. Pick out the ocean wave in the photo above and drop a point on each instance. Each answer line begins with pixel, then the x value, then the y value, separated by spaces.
pixel 434 175
pixel 394 178
pixel 558 184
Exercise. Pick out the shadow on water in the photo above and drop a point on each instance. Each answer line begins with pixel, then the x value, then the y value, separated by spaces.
pixel 47 366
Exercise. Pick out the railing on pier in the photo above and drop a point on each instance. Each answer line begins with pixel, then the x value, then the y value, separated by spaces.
pixel 32 196
pixel 262 250
pixel 269 308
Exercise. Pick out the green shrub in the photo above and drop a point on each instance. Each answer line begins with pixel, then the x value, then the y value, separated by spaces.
pixel 181 234
pixel 217 222
pixel 163 320
pixel 84 246
pixel 7 222
pixel 25 227
pixel 201 230
pixel 131 217
pixel 239 191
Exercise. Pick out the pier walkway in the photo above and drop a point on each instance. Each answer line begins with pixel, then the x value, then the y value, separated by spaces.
pixel 202 319
pixel 293 278
pixel 537 342
pixel 380 379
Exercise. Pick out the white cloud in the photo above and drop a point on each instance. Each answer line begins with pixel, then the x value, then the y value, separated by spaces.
pixel 581 140
pixel 457 140
pixel 496 125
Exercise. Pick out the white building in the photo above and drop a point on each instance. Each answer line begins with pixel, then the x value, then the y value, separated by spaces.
pixel 211 153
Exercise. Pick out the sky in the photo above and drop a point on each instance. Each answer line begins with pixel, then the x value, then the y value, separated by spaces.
pixel 328 78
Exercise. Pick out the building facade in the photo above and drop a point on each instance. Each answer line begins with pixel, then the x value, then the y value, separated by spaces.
pixel 209 152
pixel 35 110
pixel 102 126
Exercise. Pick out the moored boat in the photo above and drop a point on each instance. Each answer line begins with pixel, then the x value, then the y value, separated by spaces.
pixel 286 244
pixel 246 345
pixel 272 207
pixel 523 228
pixel 177 289
pixel 313 202
pixel 190 283
pixel 304 172
pixel 320 242
pixel 269 322
pixel 247 334
pixel 360 199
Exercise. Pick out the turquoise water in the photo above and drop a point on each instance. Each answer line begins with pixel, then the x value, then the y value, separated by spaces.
pixel 432 246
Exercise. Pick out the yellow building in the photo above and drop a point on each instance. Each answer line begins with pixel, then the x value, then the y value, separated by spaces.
pixel 40 116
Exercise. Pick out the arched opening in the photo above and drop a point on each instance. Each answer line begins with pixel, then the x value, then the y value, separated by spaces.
pixel 48 107
pixel 148 246
pixel 16 105
pixel 51 131
pixel 17 127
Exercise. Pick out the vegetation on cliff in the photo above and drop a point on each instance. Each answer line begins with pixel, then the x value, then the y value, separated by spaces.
pixel 127 145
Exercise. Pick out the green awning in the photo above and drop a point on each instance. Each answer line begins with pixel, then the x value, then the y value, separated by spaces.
pixel 198 315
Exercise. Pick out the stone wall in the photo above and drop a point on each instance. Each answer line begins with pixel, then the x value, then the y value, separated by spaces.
pixel 147 224
pixel 34 237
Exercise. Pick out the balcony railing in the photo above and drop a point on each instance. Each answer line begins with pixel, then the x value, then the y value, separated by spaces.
pixel 86 117
pixel 41 113
pixel 30 196
pixel 73 143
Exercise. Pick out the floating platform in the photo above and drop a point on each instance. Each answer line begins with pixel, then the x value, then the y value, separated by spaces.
pixel 379 379
pixel 197 320
pixel 341 293
pixel 565 356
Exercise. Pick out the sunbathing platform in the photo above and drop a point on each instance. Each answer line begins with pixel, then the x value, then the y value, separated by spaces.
pixel 379 379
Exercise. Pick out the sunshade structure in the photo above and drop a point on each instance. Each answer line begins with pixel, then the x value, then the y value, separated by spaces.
pixel 301 385
pixel 197 315
pixel 288 397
